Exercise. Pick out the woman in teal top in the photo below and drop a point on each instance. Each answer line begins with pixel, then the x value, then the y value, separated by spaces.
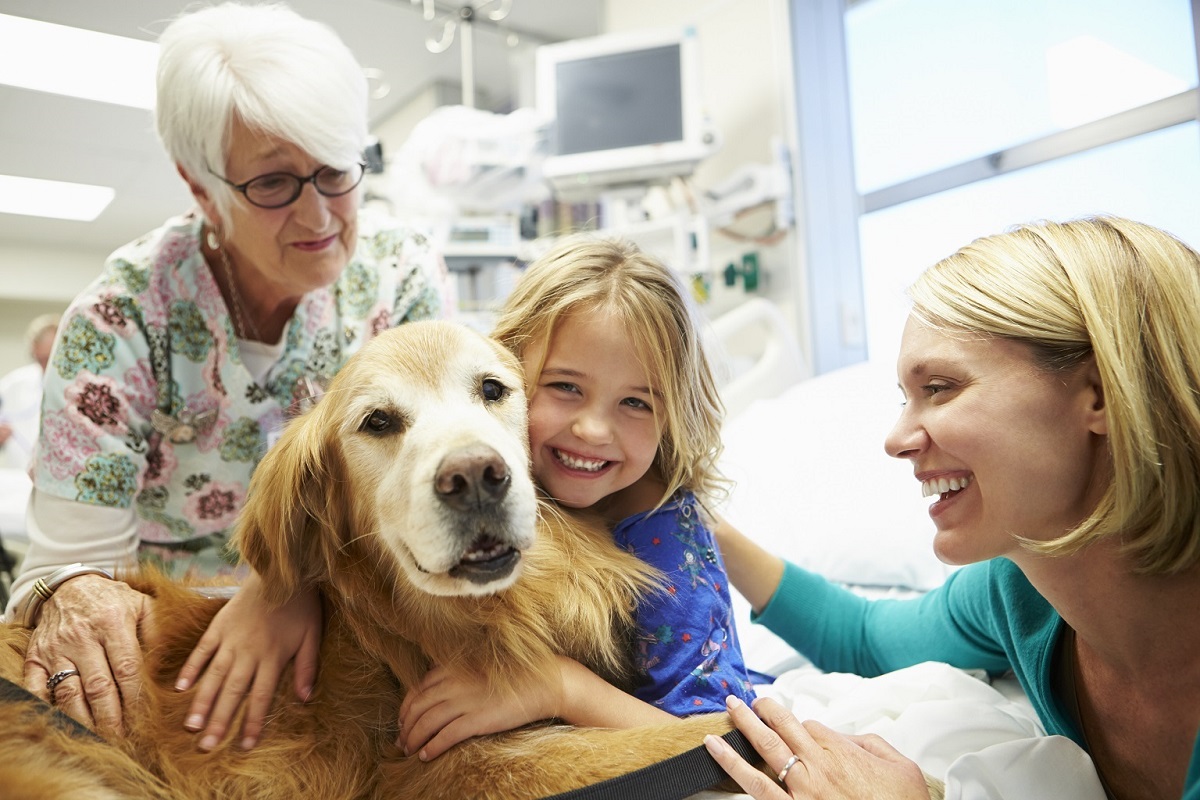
pixel 1052 384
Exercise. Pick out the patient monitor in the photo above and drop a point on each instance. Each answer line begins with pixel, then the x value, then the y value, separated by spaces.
pixel 625 109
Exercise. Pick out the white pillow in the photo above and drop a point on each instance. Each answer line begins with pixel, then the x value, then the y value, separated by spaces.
pixel 814 485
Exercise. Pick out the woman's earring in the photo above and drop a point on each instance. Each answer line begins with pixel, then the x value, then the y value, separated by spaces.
pixel 211 240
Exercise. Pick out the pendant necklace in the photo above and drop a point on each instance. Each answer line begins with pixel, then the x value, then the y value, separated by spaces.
pixel 243 326
pixel 184 426
pixel 306 391
pixel 1072 679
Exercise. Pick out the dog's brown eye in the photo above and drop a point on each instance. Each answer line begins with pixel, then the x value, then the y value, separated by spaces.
pixel 377 422
pixel 493 390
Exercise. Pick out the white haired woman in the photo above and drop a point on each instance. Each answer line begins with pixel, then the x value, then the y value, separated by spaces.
pixel 1052 384
pixel 175 369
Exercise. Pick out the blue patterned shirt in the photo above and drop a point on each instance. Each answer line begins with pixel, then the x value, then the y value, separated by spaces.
pixel 687 651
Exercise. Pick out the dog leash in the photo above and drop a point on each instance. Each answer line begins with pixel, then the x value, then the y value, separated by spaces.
pixel 673 778
pixel 12 693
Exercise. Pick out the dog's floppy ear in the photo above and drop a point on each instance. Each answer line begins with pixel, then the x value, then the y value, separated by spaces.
pixel 279 532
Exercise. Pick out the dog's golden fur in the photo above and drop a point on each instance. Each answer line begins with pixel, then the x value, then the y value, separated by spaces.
pixel 343 502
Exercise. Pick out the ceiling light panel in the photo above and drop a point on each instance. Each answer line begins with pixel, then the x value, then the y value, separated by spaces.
pixel 80 63
pixel 58 199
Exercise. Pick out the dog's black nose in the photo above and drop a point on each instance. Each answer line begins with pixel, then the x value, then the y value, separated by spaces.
pixel 472 477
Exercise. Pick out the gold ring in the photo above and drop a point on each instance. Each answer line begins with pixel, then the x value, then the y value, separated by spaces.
pixel 791 762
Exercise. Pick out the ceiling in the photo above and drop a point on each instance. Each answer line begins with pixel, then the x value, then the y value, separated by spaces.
pixel 62 138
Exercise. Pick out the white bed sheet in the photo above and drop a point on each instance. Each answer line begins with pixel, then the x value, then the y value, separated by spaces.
pixel 812 479
pixel 813 484
pixel 984 741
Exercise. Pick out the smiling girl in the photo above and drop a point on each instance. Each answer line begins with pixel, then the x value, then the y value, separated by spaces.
pixel 624 422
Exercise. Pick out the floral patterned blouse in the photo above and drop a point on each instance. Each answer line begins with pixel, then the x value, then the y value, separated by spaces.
pixel 148 405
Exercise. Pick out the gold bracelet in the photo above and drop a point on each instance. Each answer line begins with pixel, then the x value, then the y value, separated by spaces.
pixel 44 588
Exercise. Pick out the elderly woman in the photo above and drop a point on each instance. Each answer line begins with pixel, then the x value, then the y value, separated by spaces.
pixel 176 368
pixel 1052 385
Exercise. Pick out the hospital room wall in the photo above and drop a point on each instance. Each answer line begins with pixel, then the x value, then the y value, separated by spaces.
pixel 61 273
pixel 747 85
pixel 746 81
pixel 746 65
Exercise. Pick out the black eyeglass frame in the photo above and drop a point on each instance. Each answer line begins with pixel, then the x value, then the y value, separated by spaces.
pixel 242 187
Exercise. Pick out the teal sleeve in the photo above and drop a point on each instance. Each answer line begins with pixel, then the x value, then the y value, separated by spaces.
pixel 1191 787
pixel 842 632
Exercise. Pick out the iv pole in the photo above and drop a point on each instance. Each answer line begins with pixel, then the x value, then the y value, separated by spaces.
pixel 466 15
pixel 465 20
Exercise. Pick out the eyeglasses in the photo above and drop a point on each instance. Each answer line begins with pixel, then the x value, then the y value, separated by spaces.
pixel 279 189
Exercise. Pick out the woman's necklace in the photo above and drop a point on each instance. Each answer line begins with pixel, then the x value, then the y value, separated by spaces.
pixel 243 326
pixel 1073 677
pixel 306 390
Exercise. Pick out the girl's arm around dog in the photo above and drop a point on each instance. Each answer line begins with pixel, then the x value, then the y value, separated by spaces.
pixel 447 709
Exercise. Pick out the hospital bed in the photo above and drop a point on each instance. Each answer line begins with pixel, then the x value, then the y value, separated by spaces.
pixel 813 484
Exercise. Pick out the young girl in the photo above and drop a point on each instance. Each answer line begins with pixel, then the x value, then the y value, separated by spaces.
pixel 624 421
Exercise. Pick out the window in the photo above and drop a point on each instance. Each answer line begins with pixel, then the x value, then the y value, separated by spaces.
pixel 937 82
pixel 1153 178
pixel 970 117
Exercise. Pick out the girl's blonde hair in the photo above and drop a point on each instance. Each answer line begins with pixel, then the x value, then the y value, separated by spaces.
pixel 586 272
pixel 1127 295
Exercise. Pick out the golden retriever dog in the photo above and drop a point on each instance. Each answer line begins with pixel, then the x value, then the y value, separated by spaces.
pixel 405 496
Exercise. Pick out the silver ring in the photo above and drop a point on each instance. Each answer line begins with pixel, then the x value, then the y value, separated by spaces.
pixel 58 678
pixel 791 762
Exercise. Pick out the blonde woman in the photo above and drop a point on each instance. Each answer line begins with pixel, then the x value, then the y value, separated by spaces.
pixel 1052 385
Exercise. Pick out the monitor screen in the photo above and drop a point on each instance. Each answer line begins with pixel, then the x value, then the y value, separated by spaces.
pixel 619 100
pixel 623 110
